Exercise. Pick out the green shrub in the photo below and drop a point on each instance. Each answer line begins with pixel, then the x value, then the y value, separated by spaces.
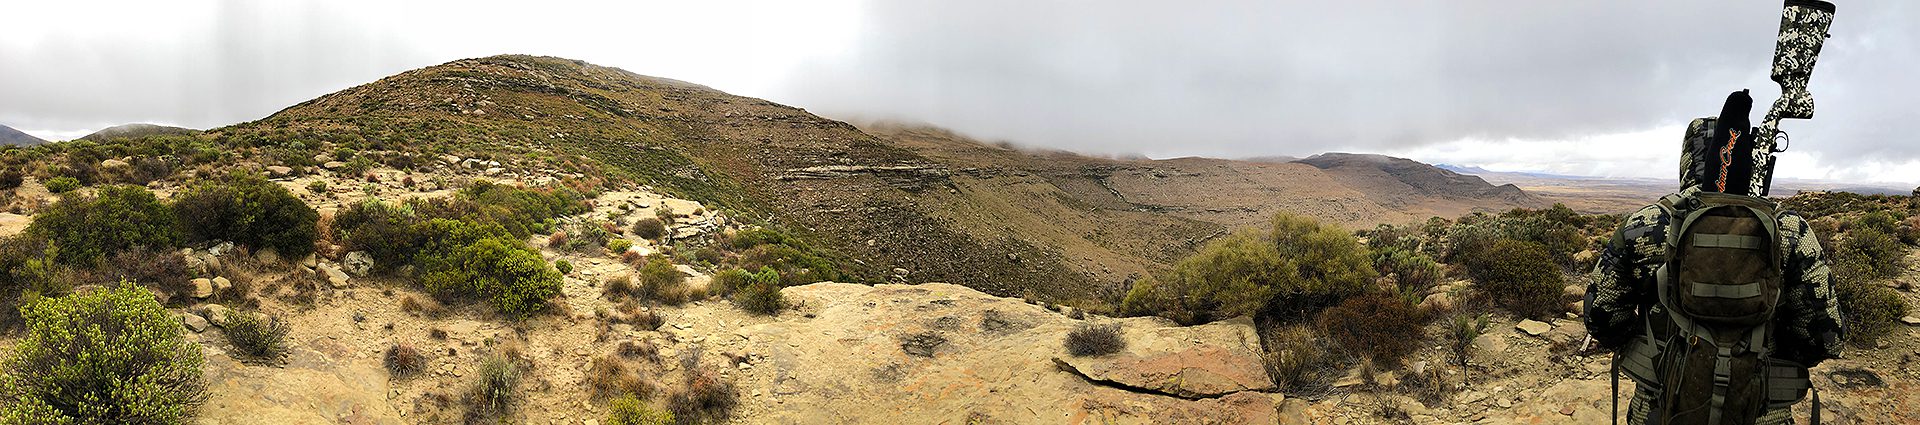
pixel 247 209
pixel 110 356
pixel 1874 248
pixel 29 269
pixel 390 233
pixel 1381 327
pixel 1871 311
pixel 660 281
pixel 317 187
pixel 618 246
pixel 464 259
pixel 1292 270
pixel 1095 340
pixel 257 337
pixel 1414 272
pixel 493 397
pixel 62 184
pixel 629 410
pixel 86 228
pixel 1462 330
pixel 797 262
pixel 11 178
pixel 725 282
pixel 649 228
pixel 517 210
pixel 760 298
pixel 563 266
pixel 1520 277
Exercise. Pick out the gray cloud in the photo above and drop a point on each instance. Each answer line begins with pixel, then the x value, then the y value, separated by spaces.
pixel 1242 78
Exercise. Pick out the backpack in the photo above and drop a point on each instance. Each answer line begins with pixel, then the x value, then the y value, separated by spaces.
pixel 1707 348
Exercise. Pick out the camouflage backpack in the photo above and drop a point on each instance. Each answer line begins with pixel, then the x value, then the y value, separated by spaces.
pixel 1707 349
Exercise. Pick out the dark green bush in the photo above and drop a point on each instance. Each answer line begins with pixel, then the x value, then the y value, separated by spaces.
pixel 563 266
pixel 629 410
pixel 797 262
pixel 11 178
pixel 110 356
pixel 649 229
pixel 1875 249
pixel 1520 277
pixel 390 233
pixel 1381 327
pixel 62 184
pixel 87 228
pixel 1414 272
pixel 517 210
pixel 760 298
pixel 618 246
pixel 1095 340
pixel 464 260
pixel 1292 270
pixel 247 209
pixel 256 337
pixel 28 269
pixel 725 282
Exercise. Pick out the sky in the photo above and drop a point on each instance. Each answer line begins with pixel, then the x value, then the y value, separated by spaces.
pixel 1580 88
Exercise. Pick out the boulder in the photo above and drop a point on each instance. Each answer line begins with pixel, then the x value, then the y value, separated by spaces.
pixel 1533 327
pixel 1910 320
pixel 202 288
pixel 277 171
pixel 358 263
pixel 221 284
pixel 214 313
pixel 1438 302
pixel 334 165
pixel 333 274
pixel 322 158
pixel 1574 291
pixel 267 256
pixel 113 163
pixel 193 322
pixel 220 249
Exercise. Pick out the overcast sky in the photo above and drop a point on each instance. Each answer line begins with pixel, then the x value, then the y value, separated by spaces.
pixel 1588 88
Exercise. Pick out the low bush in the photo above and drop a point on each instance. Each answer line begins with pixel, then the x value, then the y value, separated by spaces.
pixel 464 259
pixel 62 184
pixel 629 410
pixel 404 361
pixel 585 237
pixel 1414 272
pixel 618 246
pixel 725 282
pixel 760 298
pixel 797 262
pixel 1095 340
pixel 497 391
pixel 1297 359
pixel 256 337
pixel 387 232
pixel 1380 327
pixel 87 228
pixel 641 350
pixel 1293 269
pixel 609 377
pixel 658 280
pixel 11 178
pixel 166 269
pixel 109 356
pixel 28 269
pixel 247 209
pixel 649 229
pixel 1871 311
pixel 1519 277
pixel 1462 330
pixel 563 266
pixel 705 398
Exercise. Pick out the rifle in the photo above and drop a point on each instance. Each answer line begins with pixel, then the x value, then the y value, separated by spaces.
pixel 1803 28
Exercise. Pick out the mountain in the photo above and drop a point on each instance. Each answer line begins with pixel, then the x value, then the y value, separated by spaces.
pixel 892 198
pixel 136 130
pixel 9 136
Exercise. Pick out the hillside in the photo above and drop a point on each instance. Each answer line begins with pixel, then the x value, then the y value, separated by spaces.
pixel 10 136
pixel 913 202
pixel 136 130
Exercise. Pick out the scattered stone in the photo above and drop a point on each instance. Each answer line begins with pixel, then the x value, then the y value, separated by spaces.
pixel 267 256
pixel 215 313
pixel 1567 410
pixel 494 171
pixel 334 165
pixel 202 287
pixel 193 322
pixel 322 158
pixel 358 263
pixel 1574 291
pixel 1438 302
pixel 1910 320
pixel 112 163
pixel 277 171
pixel 333 275
pixel 1533 327
pixel 222 284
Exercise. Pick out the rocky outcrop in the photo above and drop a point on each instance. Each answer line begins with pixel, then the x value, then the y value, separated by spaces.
pixel 855 354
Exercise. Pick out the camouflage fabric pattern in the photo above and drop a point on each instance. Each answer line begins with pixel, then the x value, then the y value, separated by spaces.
pixel 1621 287
pixel 1803 28
pixel 1699 133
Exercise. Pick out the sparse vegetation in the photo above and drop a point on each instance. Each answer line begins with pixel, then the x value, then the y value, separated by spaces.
pixel 649 229
pixel 247 209
pixel 1462 330
pixel 660 281
pixel 110 356
pixel 1095 340
pixel 404 361
pixel 704 397
pixel 1293 269
pixel 259 338
pixel 493 397
pixel 1296 359
pixel 610 377
pixel 760 298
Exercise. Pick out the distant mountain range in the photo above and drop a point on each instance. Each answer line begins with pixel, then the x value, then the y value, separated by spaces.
pixel 1613 194
pixel 9 136
pixel 136 130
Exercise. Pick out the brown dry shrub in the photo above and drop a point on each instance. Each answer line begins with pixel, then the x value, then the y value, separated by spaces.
pixel 1379 326
pixel 641 349
pixel 610 377
pixel 163 268
pixel 705 398
pixel 404 361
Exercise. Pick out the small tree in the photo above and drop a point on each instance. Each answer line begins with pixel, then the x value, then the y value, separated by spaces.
pixel 110 356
